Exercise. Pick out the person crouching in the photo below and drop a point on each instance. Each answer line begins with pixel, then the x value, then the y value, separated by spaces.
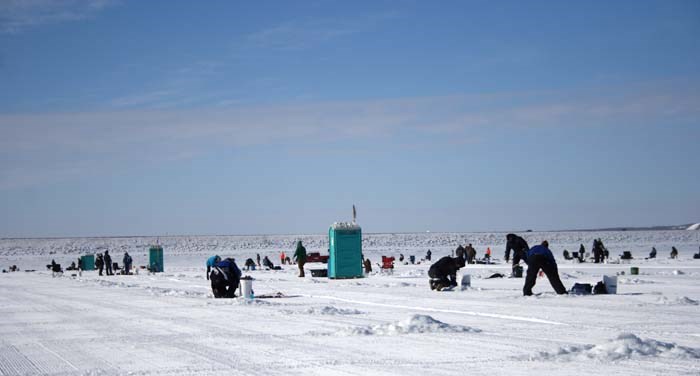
pixel 443 273
pixel 225 277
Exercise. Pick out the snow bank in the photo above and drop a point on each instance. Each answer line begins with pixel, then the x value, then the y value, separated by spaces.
pixel 625 346
pixel 414 324
pixel 683 300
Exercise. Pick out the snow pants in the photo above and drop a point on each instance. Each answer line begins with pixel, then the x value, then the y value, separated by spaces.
pixel 534 264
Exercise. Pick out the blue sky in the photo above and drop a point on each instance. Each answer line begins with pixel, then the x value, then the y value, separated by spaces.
pixel 181 117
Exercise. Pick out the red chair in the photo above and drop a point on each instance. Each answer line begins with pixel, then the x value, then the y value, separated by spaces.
pixel 388 264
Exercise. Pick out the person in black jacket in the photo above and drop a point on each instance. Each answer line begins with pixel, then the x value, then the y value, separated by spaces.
pixel 108 264
pixel 99 263
pixel 519 247
pixel 540 257
pixel 443 273
pixel 461 253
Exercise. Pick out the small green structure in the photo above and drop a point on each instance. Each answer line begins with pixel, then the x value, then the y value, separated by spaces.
pixel 155 259
pixel 345 261
pixel 87 262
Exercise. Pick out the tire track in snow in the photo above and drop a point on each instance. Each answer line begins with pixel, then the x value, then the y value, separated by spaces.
pixel 428 309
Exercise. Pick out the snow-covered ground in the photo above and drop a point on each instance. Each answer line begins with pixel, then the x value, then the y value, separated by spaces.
pixel 168 323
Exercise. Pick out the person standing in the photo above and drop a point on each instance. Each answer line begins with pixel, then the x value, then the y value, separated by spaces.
pixel 674 253
pixel 471 253
pixel 519 247
pixel 300 257
pixel 99 263
pixel 540 257
pixel 257 258
pixel 127 263
pixel 108 264
pixel 428 255
pixel 282 257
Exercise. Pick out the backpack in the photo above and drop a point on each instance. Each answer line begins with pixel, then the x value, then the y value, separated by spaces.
pixel 600 288
pixel 581 289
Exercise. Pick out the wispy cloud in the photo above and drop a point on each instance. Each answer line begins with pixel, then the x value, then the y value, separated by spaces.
pixel 19 15
pixel 307 33
pixel 47 146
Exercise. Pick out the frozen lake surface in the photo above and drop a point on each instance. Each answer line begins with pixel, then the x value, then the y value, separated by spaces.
pixel 169 323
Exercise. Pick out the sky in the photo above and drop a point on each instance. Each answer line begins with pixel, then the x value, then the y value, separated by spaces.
pixel 275 117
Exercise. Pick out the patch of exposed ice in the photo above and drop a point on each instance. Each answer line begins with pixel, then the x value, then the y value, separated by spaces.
pixel 414 324
pixel 625 346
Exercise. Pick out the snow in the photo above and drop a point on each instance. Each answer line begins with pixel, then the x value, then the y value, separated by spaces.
pixel 347 226
pixel 169 323
pixel 694 227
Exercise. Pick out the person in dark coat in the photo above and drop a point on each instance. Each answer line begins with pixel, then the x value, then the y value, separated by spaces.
pixel 127 263
pixel 674 252
pixel 443 273
pixel 249 264
pixel 598 253
pixel 461 253
pixel 225 277
pixel 300 257
pixel 368 266
pixel 519 247
pixel 257 258
pixel 652 254
pixel 267 263
pixel 582 253
pixel 540 257
pixel 428 255
pixel 567 256
pixel 108 264
pixel 99 263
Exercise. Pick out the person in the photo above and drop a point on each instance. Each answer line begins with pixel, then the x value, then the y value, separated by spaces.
pixel 460 252
pixel 127 263
pixel 567 256
pixel 289 261
pixel 674 253
pixel 249 264
pixel 400 257
pixel 108 264
pixel 300 257
pixel 598 255
pixel 99 263
pixel 428 255
pixel 697 255
pixel 80 263
pixel 471 254
pixel 540 257
pixel 582 253
pixel 225 277
pixel 267 263
pixel 519 247
pixel 282 257
pixel 211 261
pixel 257 256
pixel 652 254
pixel 443 273
pixel 487 255
pixel 368 266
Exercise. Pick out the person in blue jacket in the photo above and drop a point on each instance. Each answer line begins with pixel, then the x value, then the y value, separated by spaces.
pixel 211 261
pixel 540 257
pixel 225 277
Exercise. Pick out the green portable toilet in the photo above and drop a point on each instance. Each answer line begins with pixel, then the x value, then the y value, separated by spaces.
pixel 345 261
pixel 87 262
pixel 155 258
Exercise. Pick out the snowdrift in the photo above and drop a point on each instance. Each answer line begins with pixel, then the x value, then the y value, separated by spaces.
pixel 625 346
pixel 414 324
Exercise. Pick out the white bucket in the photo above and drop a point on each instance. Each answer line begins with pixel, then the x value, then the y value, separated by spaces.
pixel 466 281
pixel 610 282
pixel 247 288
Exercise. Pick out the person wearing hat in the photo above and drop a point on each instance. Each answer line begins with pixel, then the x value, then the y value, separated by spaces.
pixel 211 261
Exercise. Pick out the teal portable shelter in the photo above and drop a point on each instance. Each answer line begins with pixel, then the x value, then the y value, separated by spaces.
pixel 345 261
pixel 87 262
pixel 155 258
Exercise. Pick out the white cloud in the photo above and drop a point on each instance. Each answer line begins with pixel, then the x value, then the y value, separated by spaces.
pixel 19 15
